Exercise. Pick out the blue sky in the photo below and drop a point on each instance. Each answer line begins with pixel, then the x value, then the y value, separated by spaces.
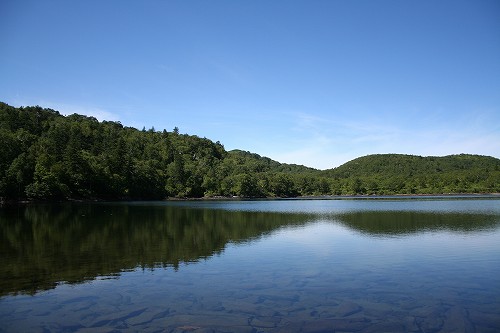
pixel 314 82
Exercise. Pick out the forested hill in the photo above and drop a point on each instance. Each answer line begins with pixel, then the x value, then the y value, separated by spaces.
pixel 397 173
pixel 44 155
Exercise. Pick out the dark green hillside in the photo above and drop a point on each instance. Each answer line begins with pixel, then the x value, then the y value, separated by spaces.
pixel 408 174
pixel 47 156
pixel 251 175
pixel 251 162
pixel 409 165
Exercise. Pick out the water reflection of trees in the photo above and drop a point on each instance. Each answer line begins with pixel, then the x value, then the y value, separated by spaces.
pixel 407 222
pixel 43 245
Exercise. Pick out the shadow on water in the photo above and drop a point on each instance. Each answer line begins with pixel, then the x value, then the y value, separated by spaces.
pixel 44 245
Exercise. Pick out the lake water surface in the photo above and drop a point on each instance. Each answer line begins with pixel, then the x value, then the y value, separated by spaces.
pixel 357 265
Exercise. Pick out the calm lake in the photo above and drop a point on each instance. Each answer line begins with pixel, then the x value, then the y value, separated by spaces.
pixel 427 264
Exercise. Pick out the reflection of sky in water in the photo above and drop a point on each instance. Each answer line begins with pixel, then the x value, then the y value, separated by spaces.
pixel 327 206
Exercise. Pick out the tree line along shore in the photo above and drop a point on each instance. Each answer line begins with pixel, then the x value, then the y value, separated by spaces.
pixel 47 156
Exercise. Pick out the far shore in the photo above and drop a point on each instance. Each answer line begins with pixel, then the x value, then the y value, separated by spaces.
pixel 238 198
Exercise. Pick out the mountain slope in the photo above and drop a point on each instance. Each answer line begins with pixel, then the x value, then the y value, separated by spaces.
pixel 398 164
pixel 257 163
pixel 397 173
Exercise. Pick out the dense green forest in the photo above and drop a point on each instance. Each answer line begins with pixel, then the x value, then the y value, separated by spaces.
pixel 45 155
pixel 408 174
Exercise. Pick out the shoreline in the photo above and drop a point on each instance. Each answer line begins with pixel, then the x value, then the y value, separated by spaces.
pixel 237 198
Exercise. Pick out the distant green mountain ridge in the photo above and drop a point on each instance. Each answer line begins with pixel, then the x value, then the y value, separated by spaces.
pixel 47 156
pixel 410 174
pixel 256 163
pixel 409 165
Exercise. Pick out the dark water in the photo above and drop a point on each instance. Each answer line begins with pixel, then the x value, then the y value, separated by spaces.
pixel 391 265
